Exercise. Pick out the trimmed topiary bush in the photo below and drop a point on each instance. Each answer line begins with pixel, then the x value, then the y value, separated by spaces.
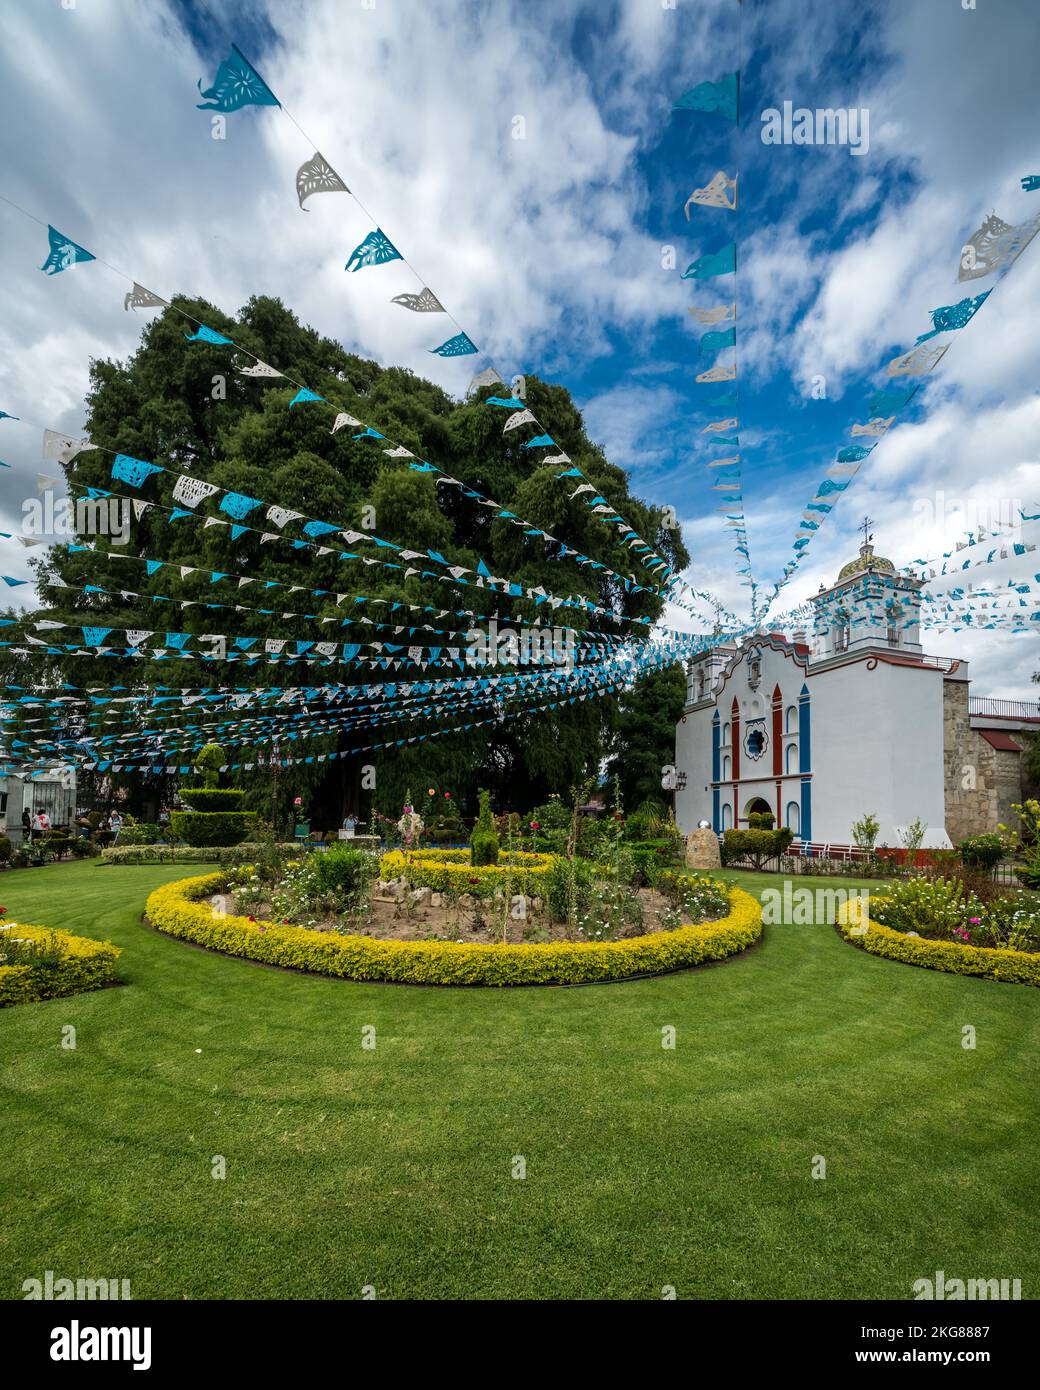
pixel 201 828
pixel 212 798
pixel 484 843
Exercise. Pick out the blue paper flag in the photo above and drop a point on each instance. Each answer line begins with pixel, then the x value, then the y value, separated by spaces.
pixel 952 316
pixel 539 441
pixel 723 262
pixel 376 249
pixel 718 339
pixel 721 97
pixel 236 84
pixel 459 346
pixel 133 471
pixel 64 253
pixel 208 335
pixel 302 395
pixel 237 505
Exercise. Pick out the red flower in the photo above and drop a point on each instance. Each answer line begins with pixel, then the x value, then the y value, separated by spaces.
pixel 448 795
pixel 252 919
pixel 536 825
pixel 474 880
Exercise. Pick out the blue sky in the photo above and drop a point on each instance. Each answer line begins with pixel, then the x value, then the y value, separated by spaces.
pixel 549 249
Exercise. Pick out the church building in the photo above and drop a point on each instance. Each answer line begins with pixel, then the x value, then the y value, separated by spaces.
pixel 849 719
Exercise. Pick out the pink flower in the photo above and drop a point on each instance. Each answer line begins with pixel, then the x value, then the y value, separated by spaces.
pixel 975 921
pixel 536 825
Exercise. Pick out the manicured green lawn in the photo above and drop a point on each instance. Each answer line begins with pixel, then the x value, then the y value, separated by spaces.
pixel 393 1168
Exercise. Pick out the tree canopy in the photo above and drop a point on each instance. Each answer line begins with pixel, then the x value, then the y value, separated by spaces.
pixel 182 404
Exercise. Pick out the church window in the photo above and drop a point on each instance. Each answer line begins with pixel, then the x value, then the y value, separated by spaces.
pixel 725 767
pixel 791 757
pixel 792 817
pixel 700 684
pixel 727 816
pixel 895 619
pixel 726 732
pixel 791 720
pixel 842 633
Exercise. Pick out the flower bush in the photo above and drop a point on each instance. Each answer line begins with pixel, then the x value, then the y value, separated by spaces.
pixel 38 963
pixel 450 870
pixel 948 909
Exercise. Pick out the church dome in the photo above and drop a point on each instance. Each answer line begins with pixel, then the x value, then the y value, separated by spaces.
pixel 865 560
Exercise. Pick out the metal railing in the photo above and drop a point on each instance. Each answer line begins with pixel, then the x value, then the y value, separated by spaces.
pixel 986 708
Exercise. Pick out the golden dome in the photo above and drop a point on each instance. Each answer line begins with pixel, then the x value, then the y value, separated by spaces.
pixel 865 560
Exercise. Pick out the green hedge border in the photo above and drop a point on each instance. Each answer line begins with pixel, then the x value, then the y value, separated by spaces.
pixel 954 958
pixel 192 854
pixel 85 965
pixel 174 908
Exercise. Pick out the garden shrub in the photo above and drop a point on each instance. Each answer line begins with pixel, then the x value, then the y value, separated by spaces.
pixel 759 846
pixel 761 820
pixel 37 963
pixel 449 871
pixel 344 871
pixel 484 843
pixel 174 908
pixel 212 798
pixel 198 828
pixel 954 957
pixel 6 848
pixel 984 851
pixel 569 886
pixel 246 853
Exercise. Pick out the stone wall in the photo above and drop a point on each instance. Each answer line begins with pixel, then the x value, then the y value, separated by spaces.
pixel 981 781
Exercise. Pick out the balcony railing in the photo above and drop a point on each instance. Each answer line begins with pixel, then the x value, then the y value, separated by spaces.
pixel 986 708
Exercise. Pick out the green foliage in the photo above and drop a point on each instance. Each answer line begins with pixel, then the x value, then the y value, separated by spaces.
pixel 642 737
pixel 484 842
pixel 344 872
pixel 761 820
pixel 647 821
pixel 569 886
pixel 865 831
pixel 5 849
pixel 158 403
pixel 983 850
pixel 757 846
pixel 198 828
pixel 209 761
pixel 211 798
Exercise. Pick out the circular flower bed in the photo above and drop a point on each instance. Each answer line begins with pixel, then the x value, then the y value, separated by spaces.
pixel 175 908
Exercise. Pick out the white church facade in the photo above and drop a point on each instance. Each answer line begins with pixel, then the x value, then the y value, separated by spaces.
pixel 823 728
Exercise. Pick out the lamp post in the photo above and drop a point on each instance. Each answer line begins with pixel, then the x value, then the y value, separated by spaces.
pixel 678 785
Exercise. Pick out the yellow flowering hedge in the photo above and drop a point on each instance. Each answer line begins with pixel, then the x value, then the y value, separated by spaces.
pixel 174 908
pixel 449 870
pixel 82 965
pixel 954 957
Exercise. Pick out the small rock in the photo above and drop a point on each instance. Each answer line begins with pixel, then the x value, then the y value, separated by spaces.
pixel 436 900
pixel 420 896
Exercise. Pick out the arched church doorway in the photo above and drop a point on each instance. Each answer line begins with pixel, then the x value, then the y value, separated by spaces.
pixel 759 804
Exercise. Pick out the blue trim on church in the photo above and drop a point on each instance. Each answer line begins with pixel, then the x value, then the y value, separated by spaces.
pixel 716 739
pixel 805 829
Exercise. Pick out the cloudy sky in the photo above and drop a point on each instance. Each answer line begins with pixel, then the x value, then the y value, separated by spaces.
pixel 561 251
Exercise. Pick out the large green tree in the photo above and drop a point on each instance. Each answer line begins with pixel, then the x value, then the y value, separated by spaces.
pixel 642 736
pixel 183 405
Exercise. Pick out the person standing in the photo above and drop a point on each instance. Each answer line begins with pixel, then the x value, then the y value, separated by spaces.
pixel 115 822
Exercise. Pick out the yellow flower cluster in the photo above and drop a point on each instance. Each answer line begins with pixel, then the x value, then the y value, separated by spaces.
pixel 993 962
pixel 82 965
